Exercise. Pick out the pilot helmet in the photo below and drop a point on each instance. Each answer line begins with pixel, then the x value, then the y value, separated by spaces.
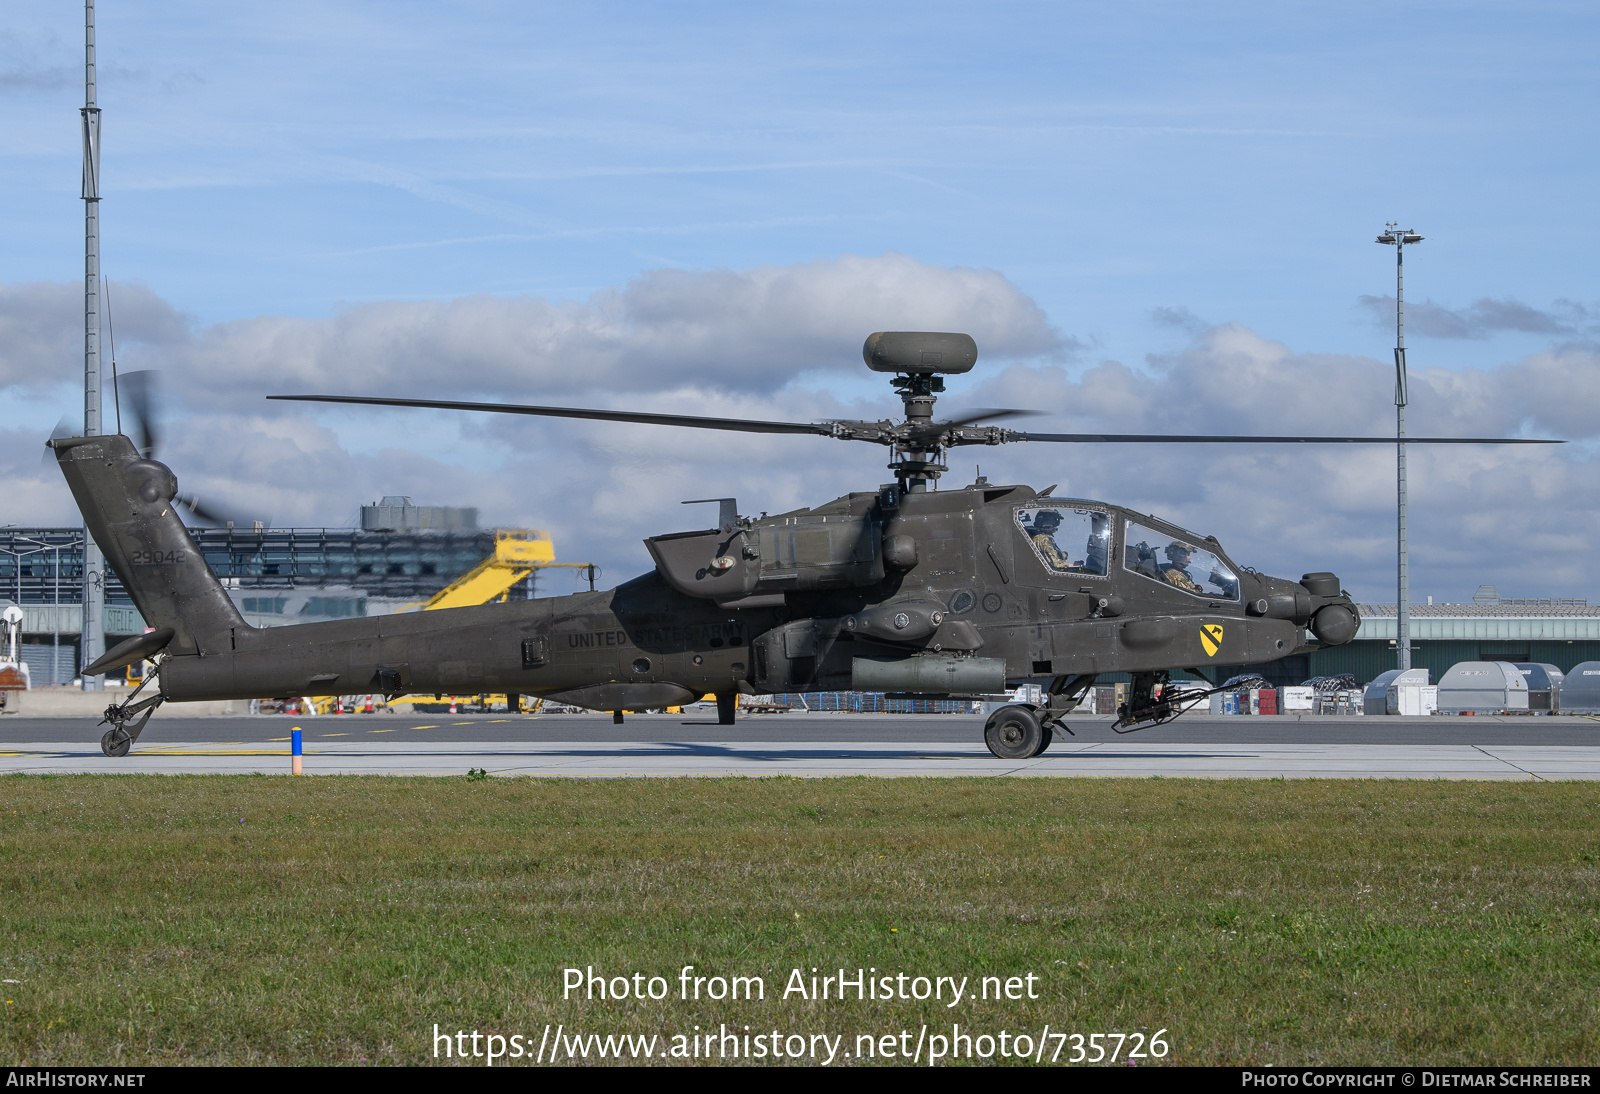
pixel 1176 549
pixel 1046 520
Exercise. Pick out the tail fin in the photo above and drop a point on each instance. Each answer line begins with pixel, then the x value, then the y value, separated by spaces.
pixel 127 505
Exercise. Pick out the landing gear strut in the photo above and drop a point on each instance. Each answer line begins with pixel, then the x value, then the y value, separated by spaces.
pixel 1020 732
pixel 117 740
pixel 726 706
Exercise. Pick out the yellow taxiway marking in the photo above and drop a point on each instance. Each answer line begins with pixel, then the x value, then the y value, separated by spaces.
pixel 336 734
pixel 165 748
pixel 469 723
pixel 494 720
pixel 278 738
pixel 380 731
pixel 203 752
pixel 431 727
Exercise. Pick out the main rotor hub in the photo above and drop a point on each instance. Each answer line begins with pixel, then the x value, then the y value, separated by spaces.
pixel 920 360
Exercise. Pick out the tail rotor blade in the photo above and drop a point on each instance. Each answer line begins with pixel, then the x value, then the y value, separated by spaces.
pixel 137 392
pixel 210 513
pixel 63 429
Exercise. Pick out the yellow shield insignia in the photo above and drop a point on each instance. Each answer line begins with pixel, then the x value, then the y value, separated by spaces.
pixel 1211 638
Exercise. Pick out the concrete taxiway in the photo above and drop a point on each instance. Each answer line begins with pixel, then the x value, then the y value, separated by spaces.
pixel 819 745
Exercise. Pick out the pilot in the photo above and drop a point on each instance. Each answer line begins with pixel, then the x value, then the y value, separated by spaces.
pixel 1043 532
pixel 1176 571
pixel 1099 545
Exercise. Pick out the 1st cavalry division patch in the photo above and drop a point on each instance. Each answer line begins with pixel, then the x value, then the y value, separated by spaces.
pixel 1211 638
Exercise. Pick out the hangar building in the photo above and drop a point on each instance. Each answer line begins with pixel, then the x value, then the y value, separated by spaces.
pixel 1560 632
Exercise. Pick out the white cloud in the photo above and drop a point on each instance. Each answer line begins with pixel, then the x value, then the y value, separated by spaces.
pixel 1484 317
pixel 41 330
pixel 722 330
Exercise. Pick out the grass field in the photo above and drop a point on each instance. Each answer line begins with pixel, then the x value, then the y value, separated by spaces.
pixel 336 920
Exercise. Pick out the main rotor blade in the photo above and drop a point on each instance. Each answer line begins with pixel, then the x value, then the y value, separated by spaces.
pixel 1165 438
pixel 741 425
pixel 988 414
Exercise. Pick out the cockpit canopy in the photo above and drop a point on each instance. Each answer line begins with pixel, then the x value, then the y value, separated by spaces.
pixel 1178 561
pixel 1072 537
pixel 1069 540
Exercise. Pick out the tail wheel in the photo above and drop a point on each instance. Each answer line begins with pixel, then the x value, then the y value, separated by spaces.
pixel 115 742
pixel 1014 733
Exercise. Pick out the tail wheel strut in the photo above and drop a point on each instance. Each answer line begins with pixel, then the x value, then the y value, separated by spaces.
pixel 117 740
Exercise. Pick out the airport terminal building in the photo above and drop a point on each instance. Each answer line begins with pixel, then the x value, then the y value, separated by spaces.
pixel 402 555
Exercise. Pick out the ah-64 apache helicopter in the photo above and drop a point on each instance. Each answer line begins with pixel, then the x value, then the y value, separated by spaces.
pixel 905 589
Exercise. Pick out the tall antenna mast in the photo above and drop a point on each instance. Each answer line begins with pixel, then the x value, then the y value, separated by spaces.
pixel 94 635
pixel 1396 237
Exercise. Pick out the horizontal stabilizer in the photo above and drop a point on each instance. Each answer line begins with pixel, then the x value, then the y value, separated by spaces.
pixel 123 654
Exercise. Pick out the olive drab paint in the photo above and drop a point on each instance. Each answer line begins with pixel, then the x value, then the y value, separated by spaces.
pixel 808 603
pixel 905 588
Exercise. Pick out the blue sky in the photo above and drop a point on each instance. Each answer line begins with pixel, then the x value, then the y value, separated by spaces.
pixel 1142 173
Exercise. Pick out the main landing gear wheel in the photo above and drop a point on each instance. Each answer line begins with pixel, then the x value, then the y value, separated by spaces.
pixel 115 742
pixel 1014 733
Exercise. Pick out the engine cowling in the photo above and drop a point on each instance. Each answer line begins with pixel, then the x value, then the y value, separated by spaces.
pixel 803 553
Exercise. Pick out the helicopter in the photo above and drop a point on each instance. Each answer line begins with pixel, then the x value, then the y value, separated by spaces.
pixel 906 589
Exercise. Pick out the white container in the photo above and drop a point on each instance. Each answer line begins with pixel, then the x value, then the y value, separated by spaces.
pixel 1413 700
pixel 1376 699
pixel 1580 689
pixel 1485 686
pixel 1297 700
pixel 1544 686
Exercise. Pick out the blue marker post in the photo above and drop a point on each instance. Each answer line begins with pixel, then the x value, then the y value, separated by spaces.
pixel 294 749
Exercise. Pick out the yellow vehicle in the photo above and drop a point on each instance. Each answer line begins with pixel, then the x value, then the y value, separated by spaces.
pixel 516 555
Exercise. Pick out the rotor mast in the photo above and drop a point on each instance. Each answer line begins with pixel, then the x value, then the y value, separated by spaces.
pixel 916 463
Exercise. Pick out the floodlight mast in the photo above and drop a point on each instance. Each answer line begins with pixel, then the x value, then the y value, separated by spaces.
pixel 94 638
pixel 1398 238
